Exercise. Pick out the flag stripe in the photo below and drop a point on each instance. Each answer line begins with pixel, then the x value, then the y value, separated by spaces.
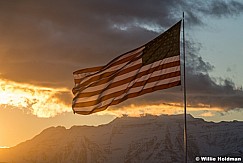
pixel 159 70
pixel 111 75
pixel 119 61
pixel 90 110
pixel 106 91
pixel 139 86
pixel 130 70
pixel 93 96
pixel 127 57
pixel 86 82
pixel 114 67
pixel 108 72
pixel 161 73
pixel 134 91
pixel 87 70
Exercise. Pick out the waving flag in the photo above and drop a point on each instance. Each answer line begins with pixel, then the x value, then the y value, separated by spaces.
pixel 151 67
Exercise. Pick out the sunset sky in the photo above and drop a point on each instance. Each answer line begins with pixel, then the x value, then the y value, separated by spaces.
pixel 43 42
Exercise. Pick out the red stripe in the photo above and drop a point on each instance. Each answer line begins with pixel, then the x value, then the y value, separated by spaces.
pixel 88 70
pixel 127 80
pixel 132 95
pixel 97 77
pixel 118 93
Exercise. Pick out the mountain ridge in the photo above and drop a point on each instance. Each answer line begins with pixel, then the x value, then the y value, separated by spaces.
pixel 130 139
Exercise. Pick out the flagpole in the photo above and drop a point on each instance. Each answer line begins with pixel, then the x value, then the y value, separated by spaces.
pixel 184 88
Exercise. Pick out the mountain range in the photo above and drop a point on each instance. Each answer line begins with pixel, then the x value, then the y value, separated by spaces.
pixel 145 139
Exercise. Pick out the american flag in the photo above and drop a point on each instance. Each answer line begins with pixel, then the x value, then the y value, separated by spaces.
pixel 151 67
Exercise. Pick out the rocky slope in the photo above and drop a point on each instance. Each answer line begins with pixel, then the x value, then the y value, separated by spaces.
pixel 148 139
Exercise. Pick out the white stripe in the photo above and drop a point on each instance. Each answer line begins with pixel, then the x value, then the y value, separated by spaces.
pixel 125 76
pixel 81 75
pixel 130 54
pixel 113 68
pixel 118 78
pixel 132 90
pixel 85 73
pixel 126 85
pixel 132 73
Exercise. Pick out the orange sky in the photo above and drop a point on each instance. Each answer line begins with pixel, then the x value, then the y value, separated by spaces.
pixel 21 119
pixel 43 42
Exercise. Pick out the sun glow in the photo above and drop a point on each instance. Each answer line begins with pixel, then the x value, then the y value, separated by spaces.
pixel 40 101
pixel 46 102
pixel 164 108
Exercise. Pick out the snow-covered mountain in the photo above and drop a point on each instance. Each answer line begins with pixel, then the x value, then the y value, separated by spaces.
pixel 148 139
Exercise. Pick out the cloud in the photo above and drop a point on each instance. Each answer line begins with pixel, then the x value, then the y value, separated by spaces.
pixel 40 101
pixel 202 88
pixel 158 109
pixel 207 114
pixel 197 13
pixel 43 42
pixel 223 8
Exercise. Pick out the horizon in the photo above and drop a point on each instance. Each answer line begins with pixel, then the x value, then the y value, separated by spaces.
pixel 146 139
pixel 115 118
pixel 42 44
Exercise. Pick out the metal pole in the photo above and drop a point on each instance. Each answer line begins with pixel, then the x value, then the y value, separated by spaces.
pixel 184 86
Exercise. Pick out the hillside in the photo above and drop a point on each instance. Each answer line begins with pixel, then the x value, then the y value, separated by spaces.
pixel 149 139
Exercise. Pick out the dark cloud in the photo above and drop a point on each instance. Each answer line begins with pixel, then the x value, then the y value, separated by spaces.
pixel 43 42
pixel 223 8
pixel 197 13
pixel 204 89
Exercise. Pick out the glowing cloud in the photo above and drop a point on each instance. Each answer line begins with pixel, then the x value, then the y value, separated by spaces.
pixel 207 114
pixel 47 102
pixel 158 109
pixel 40 101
